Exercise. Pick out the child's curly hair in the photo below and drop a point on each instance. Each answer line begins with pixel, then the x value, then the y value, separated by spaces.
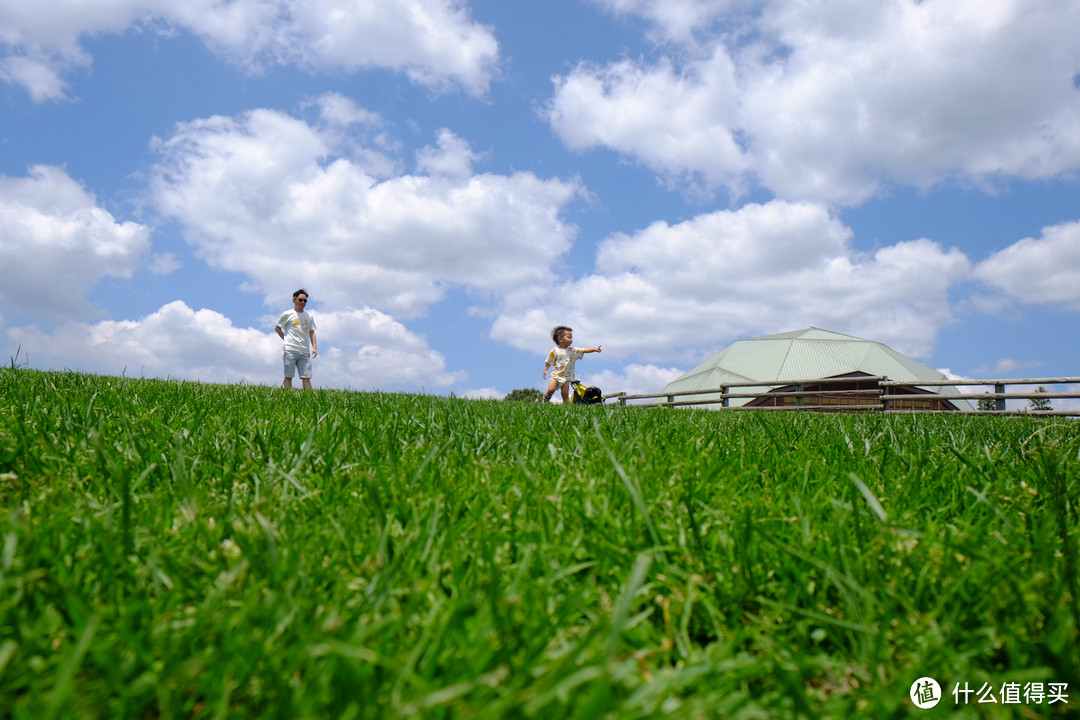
pixel 558 330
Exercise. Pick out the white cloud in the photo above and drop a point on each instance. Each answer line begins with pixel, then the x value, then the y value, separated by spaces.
pixel 368 350
pixel 358 349
pixel 827 101
pixel 675 20
pixel 676 291
pixel 1043 270
pixel 175 341
pixel 264 194
pixel 163 263
pixel 40 78
pixel 56 243
pixel 674 122
pixel 434 42
pixel 1006 368
pixel 964 389
pixel 483 394
pixel 634 379
pixel 453 157
pixel 338 110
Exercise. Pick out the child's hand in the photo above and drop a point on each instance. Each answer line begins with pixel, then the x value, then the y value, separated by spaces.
pixel 598 348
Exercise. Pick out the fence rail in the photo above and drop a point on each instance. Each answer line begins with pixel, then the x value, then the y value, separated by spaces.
pixel 869 394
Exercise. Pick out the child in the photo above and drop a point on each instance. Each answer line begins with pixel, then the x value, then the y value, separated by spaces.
pixel 562 356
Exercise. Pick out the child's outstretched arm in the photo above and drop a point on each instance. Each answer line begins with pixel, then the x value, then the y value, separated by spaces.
pixel 589 350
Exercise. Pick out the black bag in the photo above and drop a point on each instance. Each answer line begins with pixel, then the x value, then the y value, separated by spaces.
pixel 582 395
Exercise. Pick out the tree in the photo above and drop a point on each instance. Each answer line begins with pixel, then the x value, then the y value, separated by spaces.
pixel 524 395
pixel 987 404
pixel 1040 404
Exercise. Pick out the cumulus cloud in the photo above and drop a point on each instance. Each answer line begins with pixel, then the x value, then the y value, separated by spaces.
pixel 483 394
pixel 434 42
pixel 337 110
pixel 39 76
pixel 829 101
pixel 57 243
pixel 965 389
pixel 674 122
pixel 366 349
pixel 264 194
pixel 174 341
pixel 675 20
pixel 369 350
pixel 163 263
pixel 673 291
pixel 1043 270
pixel 453 157
pixel 269 196
pixel 633 379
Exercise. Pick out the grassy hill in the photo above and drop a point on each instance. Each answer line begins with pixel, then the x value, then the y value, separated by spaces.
pixel 173 549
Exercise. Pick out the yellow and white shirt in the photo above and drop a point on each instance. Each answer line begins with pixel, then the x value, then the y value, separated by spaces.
pixel 562 363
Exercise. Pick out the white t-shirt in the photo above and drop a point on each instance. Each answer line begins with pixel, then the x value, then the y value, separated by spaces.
pixel 562 362
pixel 297 327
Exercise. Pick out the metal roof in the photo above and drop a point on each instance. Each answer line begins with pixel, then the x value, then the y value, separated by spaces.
pixel 805 355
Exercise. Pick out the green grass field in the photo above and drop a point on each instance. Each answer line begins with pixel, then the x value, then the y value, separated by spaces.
pixel 175 550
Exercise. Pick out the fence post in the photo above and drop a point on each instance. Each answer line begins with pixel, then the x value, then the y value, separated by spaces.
pixel 723 397
pixel 799 397
pixel 883 395
pixel 999 403
pixel 670 400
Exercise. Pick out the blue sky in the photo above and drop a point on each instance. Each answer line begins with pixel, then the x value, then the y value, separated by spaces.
pixel 451 179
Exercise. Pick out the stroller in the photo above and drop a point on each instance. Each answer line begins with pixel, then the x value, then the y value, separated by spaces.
pixel 581 395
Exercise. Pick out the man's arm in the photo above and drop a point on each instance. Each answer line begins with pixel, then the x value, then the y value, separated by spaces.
pixel 280 332
pixel 314 344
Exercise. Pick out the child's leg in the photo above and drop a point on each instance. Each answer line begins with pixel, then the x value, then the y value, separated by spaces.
pixel 552 384
pixel 565 393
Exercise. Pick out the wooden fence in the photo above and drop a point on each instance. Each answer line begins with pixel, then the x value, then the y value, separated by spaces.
pixel 869 394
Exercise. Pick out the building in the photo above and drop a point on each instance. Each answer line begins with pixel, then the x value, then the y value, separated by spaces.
pixel 813 354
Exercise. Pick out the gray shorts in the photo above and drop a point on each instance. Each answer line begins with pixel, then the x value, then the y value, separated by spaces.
pixel 297 361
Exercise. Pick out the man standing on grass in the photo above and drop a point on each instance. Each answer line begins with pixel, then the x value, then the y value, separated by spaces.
pixel 297 328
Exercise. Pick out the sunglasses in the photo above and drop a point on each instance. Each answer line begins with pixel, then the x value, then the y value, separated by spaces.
pixel 301 299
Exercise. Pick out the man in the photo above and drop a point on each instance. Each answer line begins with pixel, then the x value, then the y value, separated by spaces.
pixel 297 328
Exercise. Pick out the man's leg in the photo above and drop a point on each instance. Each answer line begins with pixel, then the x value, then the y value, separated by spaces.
pixel 303 366
pixel 289 360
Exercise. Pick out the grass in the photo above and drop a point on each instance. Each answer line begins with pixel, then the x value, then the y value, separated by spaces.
pixel 173 549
